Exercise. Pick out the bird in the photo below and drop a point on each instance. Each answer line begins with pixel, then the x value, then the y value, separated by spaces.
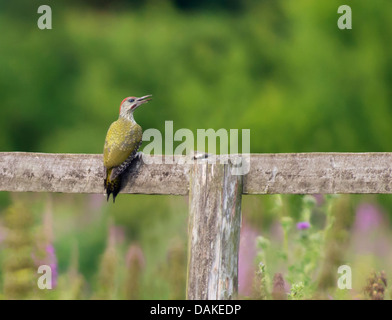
pixel 122 143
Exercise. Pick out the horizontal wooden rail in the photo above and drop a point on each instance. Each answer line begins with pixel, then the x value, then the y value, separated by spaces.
pixel 293 173
pixel 84 173
pixel 214 194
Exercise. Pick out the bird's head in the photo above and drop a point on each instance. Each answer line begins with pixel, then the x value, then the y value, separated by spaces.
pixel 130 104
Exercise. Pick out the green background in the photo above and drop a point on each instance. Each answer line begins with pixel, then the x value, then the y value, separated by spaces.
pixel 282 69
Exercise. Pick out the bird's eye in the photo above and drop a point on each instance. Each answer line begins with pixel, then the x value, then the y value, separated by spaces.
pixel 131 100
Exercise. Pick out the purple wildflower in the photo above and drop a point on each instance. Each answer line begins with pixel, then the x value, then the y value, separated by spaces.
pixel 52 262
pixel 368 217
pixel 247 254
pixel 319 199
pixel 303 225
pixel 370 234
pixel 49 258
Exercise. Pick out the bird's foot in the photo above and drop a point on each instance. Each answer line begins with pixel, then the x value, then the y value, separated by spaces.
pixel 200 155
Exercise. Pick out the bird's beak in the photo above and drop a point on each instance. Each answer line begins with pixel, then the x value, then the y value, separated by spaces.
pixel 144 99
pixel 140 101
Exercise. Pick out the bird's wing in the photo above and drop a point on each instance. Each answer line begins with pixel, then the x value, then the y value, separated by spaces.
pixel 122 139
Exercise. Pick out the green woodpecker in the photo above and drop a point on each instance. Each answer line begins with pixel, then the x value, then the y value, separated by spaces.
pixel 122 142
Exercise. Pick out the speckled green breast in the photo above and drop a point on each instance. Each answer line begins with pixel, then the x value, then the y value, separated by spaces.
pixel 122 138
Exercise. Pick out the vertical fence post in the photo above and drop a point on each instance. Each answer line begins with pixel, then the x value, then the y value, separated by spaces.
pixel 213 231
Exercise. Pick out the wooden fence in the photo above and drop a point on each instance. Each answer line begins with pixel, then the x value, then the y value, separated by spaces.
pixel 214 194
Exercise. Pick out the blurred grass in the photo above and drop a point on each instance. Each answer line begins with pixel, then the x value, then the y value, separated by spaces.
pixel 279 68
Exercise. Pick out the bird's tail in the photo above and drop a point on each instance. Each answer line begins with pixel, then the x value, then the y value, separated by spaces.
pixel 112 186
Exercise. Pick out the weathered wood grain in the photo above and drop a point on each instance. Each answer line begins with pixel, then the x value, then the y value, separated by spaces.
pixel 213 232
pixel 296 173
pixel 84 173
pixel 328 173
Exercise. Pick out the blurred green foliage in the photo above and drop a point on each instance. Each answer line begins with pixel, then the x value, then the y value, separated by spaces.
pixel 280 68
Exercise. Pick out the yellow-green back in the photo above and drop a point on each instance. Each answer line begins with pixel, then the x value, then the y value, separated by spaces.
pixel 122 138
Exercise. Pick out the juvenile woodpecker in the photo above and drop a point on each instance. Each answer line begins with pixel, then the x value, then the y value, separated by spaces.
pixel 122 142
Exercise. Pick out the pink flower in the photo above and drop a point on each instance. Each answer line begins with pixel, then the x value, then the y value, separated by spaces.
pixel 370 234
pixel 247 254
pixel 368 217
pixel 303 225
pixel 49 258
